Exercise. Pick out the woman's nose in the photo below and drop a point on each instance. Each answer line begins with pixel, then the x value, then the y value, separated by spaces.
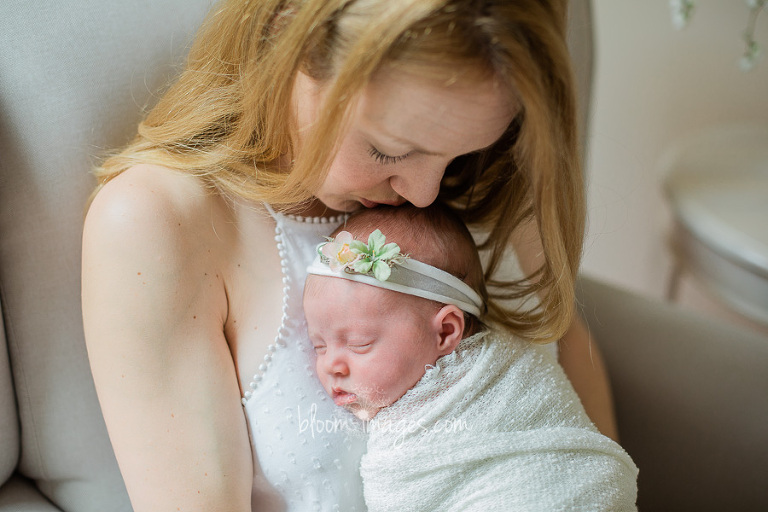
pixel 419 186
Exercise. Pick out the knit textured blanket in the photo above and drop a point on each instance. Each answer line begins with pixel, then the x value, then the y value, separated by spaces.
pixel 494 426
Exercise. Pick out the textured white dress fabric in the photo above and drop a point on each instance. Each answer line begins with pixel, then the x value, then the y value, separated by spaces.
pixel 494 426
pixel 308 448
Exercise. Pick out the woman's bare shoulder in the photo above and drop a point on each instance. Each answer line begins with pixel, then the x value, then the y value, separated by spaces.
pixel 150 233
pixel 151 211
pixel 147 196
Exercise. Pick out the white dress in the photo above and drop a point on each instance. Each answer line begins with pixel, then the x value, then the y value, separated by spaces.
pixel 308 448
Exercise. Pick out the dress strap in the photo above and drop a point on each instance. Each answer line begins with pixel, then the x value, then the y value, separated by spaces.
pixel 269 209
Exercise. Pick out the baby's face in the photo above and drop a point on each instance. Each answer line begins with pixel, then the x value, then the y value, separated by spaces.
pixel 372 344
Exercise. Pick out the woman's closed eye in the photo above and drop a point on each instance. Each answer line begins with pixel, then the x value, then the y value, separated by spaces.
pixel 385 159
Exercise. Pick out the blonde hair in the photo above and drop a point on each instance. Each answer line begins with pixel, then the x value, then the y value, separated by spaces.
pixel 229 118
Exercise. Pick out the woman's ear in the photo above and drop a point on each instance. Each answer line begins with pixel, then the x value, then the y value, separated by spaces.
pixel 448 325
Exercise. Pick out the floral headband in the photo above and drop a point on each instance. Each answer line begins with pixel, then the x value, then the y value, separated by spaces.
pixel 381 264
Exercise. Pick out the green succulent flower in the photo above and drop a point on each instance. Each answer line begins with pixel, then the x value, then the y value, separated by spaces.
pixel 376 257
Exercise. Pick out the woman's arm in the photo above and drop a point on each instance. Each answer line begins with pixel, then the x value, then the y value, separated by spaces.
pixel 578 353
pixel 582 361
pixel 162 367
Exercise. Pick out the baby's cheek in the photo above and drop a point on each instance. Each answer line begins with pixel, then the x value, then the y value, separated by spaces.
pixel 319 372
pixel 395 386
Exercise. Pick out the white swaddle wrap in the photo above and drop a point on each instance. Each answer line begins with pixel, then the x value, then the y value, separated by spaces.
pixel 495 425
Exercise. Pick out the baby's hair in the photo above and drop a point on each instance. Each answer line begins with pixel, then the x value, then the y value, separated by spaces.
pixel 434 235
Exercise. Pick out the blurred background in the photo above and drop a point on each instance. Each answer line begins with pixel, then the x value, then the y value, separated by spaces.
pixel 654 86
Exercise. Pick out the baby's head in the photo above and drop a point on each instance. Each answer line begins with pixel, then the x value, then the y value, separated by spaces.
pixel 372 342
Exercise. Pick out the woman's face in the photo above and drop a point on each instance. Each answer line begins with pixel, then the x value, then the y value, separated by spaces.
pixel 404 131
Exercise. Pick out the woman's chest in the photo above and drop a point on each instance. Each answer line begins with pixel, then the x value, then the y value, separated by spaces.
pixel 254 319
pixel 264 288
pixel 254 290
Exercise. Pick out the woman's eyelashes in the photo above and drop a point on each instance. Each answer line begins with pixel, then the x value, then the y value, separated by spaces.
pixel 385 159
pixel 382 158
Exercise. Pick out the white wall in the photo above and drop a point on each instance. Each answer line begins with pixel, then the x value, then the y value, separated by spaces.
pixel 653 85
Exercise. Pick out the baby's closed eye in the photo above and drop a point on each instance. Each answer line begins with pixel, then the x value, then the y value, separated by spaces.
pixel 360 348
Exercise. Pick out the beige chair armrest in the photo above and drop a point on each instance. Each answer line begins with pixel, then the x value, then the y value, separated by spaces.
pixel 690 397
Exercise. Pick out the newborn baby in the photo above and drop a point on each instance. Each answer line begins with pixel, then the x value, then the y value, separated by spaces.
pixel 373 343
pixel 464 417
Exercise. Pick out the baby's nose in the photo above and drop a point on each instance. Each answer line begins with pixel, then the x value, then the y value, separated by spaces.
pixel 337 366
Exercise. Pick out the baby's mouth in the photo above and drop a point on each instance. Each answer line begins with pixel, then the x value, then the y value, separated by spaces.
pixel 343 398
pixel 360 406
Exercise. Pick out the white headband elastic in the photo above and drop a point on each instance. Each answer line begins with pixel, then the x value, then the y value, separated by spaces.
pixel 411 277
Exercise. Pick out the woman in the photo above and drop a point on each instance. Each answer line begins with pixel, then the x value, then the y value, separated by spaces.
pixel 313 108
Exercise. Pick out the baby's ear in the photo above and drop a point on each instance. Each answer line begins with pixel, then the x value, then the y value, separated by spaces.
pixel 449 326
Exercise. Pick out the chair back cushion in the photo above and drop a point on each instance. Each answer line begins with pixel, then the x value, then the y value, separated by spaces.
pixel 74 78
pixel 9 419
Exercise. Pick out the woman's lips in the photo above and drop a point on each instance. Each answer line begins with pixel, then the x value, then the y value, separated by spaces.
pixel 368 204
pixel 374 204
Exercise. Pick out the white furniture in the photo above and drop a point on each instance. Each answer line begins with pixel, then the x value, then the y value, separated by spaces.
pixel 717 185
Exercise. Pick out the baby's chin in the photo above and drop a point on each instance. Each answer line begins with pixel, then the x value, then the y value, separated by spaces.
pixel 365 414
pixel 363 411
